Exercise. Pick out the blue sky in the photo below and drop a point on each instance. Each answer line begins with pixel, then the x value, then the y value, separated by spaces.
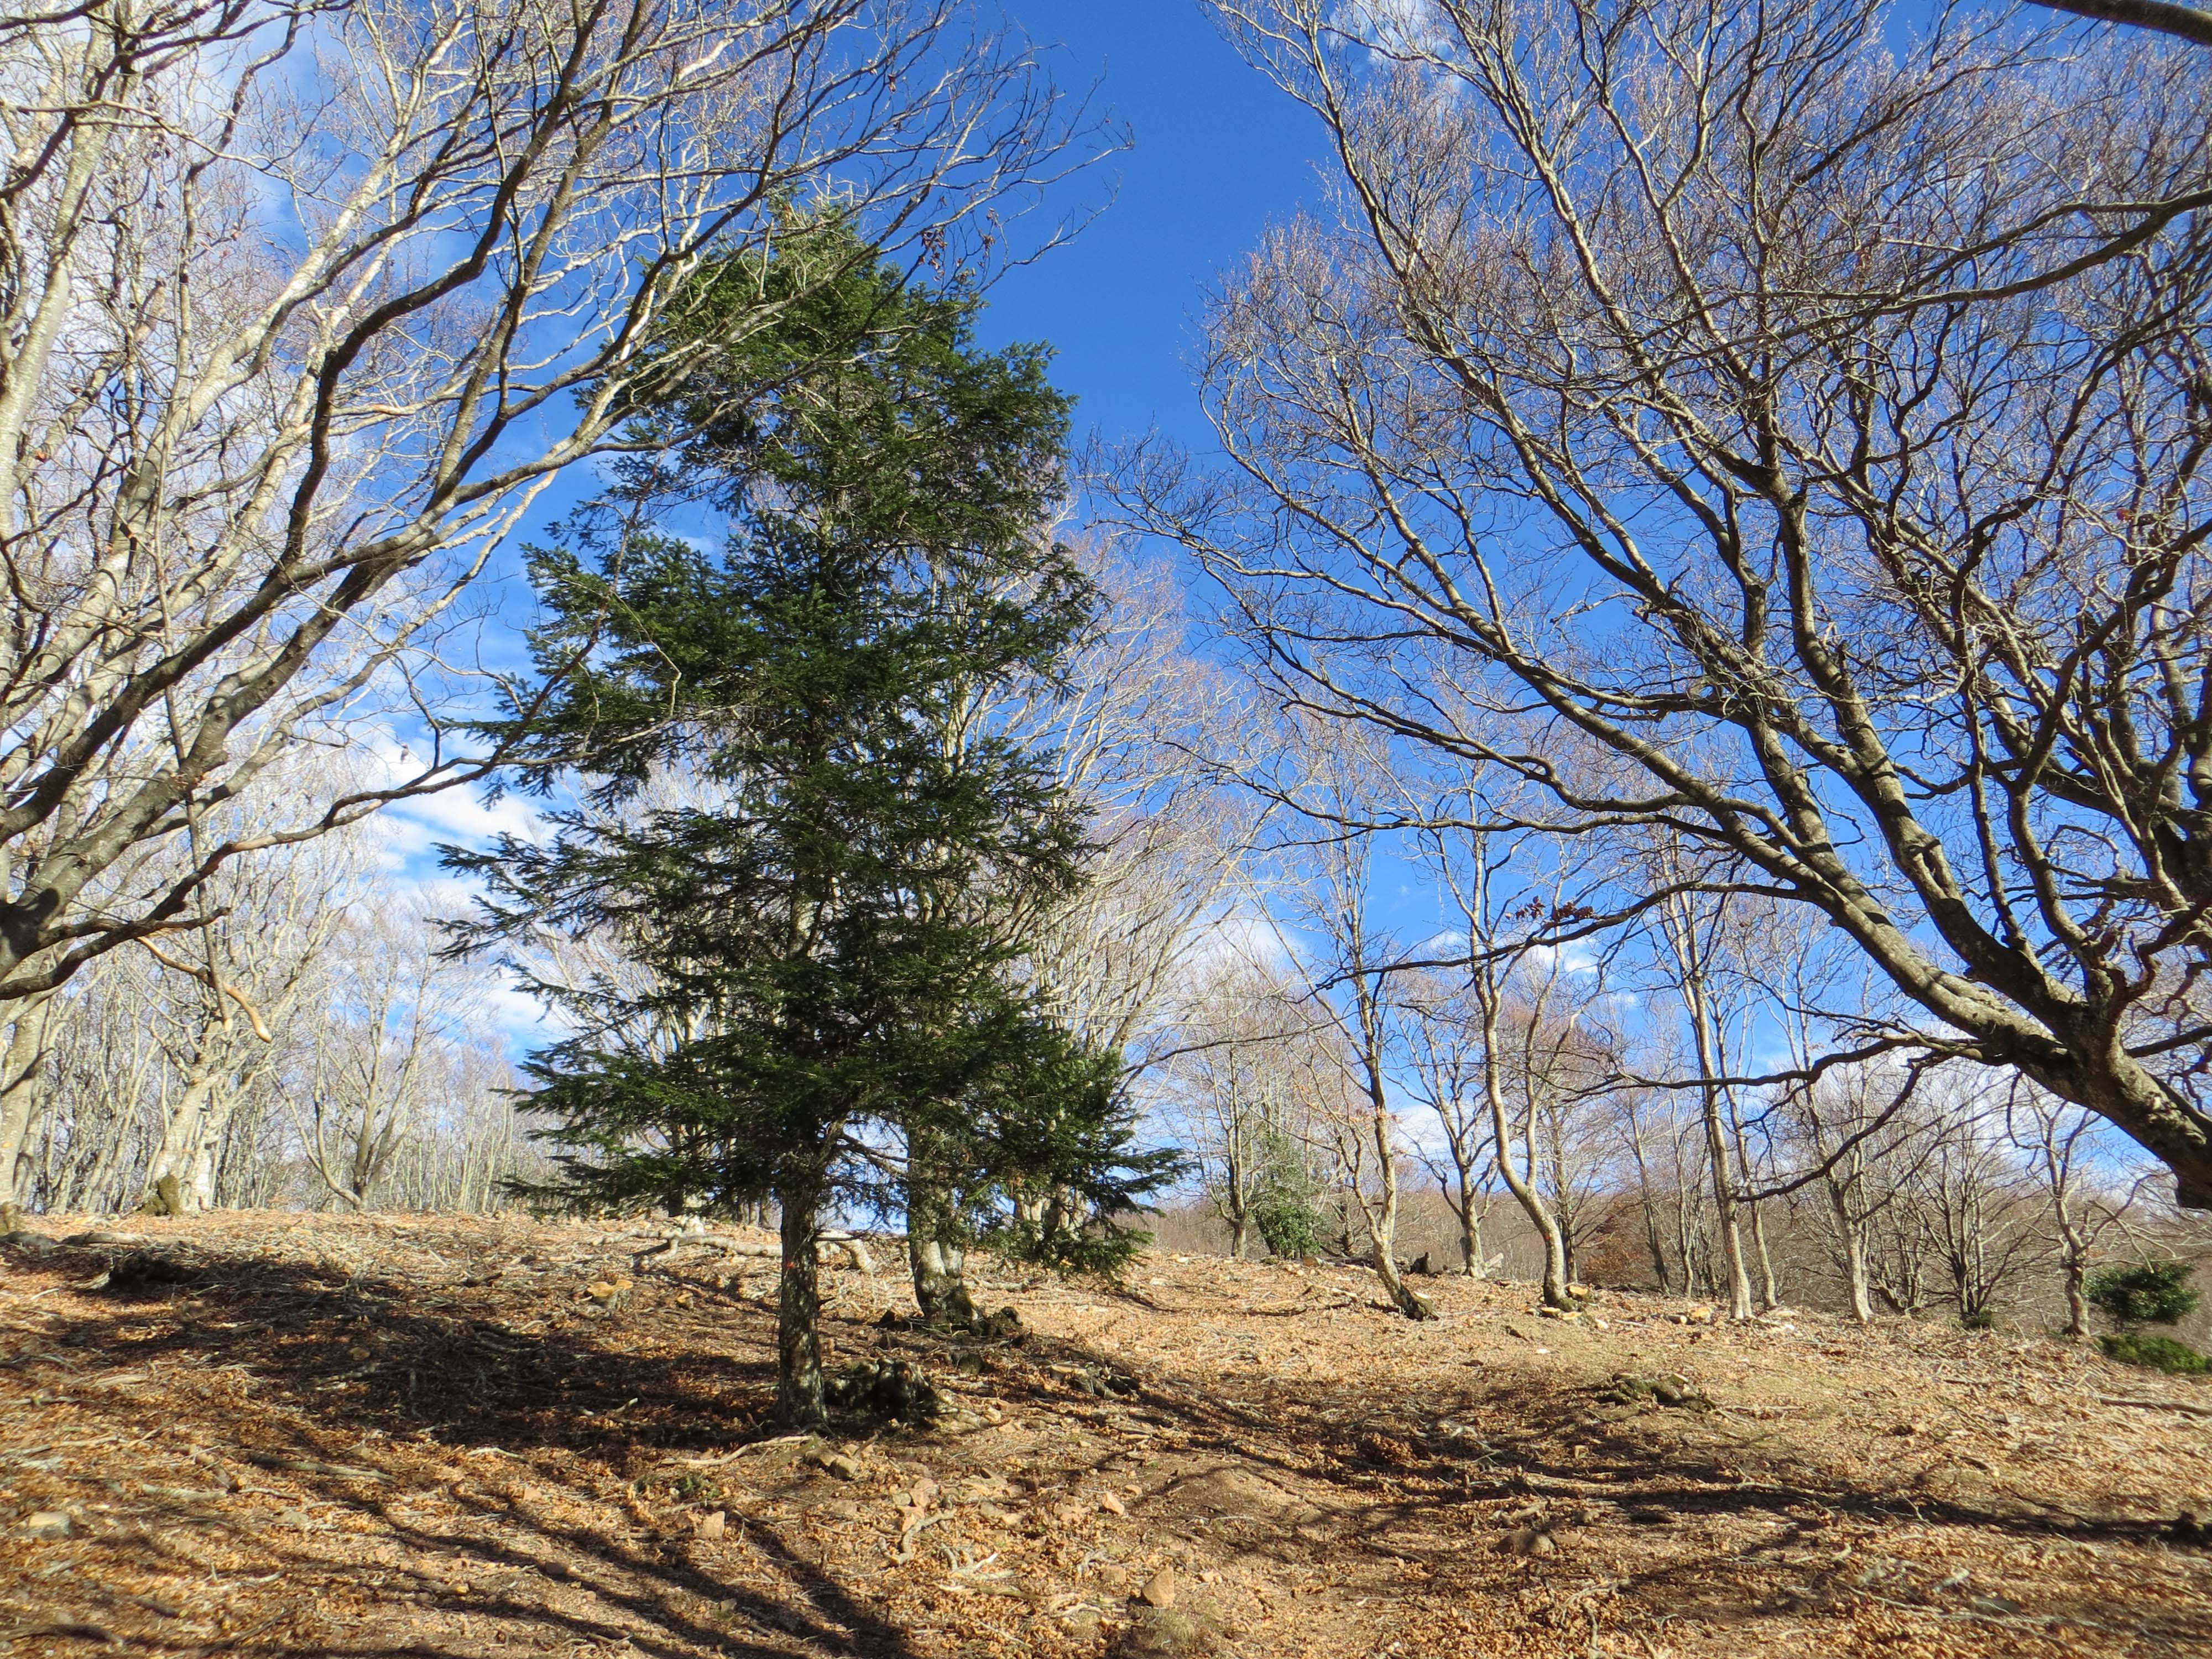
pixel 1217 154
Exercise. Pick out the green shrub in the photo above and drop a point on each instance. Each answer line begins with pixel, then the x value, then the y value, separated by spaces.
pixel 2159 1353
pixel 1284 1207
pixel 2156 1293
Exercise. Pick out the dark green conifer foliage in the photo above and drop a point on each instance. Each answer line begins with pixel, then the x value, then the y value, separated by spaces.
pixel 1285 1195
pixel 2147 1293
pixel 821 929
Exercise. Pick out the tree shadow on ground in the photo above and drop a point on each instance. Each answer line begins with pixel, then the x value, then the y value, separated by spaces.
pixel 1669 1514
pixel 389 1377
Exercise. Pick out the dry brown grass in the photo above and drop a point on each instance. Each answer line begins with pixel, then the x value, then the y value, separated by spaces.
pixel 1322 1478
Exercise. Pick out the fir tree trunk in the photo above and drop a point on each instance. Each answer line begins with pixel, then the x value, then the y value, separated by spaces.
pixel 798 1403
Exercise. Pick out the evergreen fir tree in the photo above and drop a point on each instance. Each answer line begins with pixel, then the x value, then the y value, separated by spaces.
pixel 821 940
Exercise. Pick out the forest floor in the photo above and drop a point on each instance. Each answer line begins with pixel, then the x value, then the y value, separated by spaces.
pixel 281 1435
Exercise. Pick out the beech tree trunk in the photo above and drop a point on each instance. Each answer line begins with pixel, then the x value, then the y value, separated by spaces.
pixel 180 1179
pixel 935 1254
pixel 22 1093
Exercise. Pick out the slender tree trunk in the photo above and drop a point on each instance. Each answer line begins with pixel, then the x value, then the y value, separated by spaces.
pixel 1382 1232
pixel 1685 1237
pixel 181 1177
pixel 1682 938
pixel 1655 1244
pixel 1532 1204
pixel 23 1087
pixel 2073 1250
pixel 1383 1217
pixel 2077 1300
pixel 1726 1220
pixel 933 1249
pixel 1236 1199
pixel 1470 1227
pixel 1652 1242
pixel 798 1402
pixel 1855 1265
pixel 1770 1290
pixel 1851 1230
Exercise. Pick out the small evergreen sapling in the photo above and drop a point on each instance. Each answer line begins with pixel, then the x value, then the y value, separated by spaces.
pixel 1284 1191
pixel 2150 1293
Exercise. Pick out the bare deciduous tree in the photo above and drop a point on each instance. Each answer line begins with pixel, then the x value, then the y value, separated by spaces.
pixel 1805 408
pixel 301 303
pixel 1442 1027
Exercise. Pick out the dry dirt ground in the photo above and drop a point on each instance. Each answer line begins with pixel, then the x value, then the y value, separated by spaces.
pixel 279 1434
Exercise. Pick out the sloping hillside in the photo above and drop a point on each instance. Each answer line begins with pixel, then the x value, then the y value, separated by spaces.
pixel 263 1434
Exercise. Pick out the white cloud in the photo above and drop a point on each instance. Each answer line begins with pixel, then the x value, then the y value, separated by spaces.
pixel 1234 937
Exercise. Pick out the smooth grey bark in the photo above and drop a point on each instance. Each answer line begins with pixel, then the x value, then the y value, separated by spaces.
pixel 2190 23
pixel 23 1087
pixel 1524 1192
pixel 936 1259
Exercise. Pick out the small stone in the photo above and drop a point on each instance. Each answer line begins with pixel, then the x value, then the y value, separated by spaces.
pixel 1112 1504
pixel 714 1525
pixel 925 1493
pixel 48 1523
pixel 1159 1590
pixel 903 1500
pixel 1115 1577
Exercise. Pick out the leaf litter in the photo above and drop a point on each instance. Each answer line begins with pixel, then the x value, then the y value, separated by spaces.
pixel 287 1434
